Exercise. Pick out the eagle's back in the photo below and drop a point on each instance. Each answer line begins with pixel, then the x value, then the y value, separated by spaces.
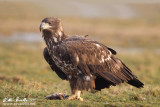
pixel 96 61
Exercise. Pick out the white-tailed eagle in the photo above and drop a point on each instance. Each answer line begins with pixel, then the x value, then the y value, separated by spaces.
pixel 85 63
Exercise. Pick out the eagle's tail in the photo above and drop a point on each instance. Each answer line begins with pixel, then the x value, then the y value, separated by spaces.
pixel 135 82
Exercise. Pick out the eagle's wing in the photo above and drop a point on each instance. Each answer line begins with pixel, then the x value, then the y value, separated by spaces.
pixel 93 58
pixel 53 65
pixel 110 49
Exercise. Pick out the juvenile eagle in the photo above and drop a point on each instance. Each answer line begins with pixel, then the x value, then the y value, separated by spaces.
pixel 85 63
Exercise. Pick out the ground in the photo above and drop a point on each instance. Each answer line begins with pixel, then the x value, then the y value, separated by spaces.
pixel 25 74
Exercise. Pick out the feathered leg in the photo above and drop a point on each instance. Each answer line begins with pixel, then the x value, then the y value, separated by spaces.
pixel 74 89
pixel 76 95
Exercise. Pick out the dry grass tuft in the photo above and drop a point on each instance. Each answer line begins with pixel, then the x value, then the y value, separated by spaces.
pixel 13 79
pixel 137 97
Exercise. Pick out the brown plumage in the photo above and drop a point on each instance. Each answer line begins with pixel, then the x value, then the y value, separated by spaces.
pixel 86 64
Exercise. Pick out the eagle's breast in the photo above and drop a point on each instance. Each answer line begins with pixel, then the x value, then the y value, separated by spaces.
pixel 60 58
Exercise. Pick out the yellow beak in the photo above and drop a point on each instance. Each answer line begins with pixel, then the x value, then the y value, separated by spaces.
pixel 44 26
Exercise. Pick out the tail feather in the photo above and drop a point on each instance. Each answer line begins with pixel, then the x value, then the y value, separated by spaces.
pixel 135 82
pixel 113 73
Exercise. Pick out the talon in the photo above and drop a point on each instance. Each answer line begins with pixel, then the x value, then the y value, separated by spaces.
pixel 71 97
pixel 76 95
pixel 80 98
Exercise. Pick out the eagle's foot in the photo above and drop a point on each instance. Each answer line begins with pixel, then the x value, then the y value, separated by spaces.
pixel 72 97
pixel 80 98
pixel 76 96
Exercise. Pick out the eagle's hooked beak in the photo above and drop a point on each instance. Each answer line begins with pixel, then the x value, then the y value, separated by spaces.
pixel 43 26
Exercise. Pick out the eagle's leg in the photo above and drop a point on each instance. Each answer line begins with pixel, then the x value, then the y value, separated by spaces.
pixel 74 89
pixel 76 95
pixel 73 96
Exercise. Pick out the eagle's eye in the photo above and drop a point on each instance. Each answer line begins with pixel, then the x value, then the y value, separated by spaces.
pixel 49 22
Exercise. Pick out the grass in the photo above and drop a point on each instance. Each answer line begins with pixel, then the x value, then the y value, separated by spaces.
pixel 25 74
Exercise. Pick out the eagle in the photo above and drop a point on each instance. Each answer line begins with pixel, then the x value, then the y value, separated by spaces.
pixel 86 64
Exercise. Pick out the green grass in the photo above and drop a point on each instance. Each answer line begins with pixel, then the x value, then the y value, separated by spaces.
pixel 24 73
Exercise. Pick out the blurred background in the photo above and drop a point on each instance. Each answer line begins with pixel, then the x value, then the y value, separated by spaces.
pixel 130 27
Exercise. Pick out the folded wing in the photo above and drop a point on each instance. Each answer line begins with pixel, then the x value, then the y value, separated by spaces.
pixel 94 59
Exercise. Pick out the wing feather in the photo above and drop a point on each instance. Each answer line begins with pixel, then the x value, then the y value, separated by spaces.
pixel 53 65
pixel 99 60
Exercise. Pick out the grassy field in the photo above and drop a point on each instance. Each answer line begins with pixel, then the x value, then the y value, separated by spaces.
pixel 25 74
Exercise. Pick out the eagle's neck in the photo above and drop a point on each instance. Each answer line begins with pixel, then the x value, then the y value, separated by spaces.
pixel 53 38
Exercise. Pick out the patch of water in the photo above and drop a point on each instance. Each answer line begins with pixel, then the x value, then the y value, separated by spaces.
pixel 21 37
pixel 36 37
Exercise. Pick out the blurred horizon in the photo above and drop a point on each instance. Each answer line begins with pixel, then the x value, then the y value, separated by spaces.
pixel 118 23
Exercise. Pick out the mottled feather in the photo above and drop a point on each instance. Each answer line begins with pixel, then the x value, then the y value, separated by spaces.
pixel 86 64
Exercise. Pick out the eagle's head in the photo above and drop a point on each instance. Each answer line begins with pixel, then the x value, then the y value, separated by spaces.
pixel 51 28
